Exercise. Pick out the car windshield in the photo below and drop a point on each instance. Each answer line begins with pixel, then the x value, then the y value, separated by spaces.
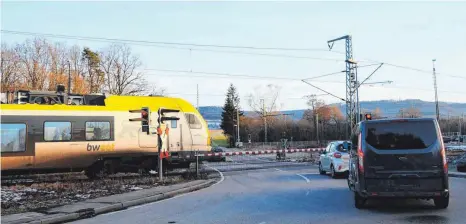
pixel 341 148
pixel 401 135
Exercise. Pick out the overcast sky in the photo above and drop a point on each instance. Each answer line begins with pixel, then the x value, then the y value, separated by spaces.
pixel 407 34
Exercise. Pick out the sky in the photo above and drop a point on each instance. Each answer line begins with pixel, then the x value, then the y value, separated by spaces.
pixel 407 34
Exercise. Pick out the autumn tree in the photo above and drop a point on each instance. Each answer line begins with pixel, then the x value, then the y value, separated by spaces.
pixel 9 68
pixel 411 112
pixel 34 62
pixel 377 113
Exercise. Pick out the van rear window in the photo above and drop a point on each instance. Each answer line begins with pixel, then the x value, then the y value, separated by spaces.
pixel 401 135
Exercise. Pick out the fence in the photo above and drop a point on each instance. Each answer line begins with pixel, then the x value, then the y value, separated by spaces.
pixel 257 159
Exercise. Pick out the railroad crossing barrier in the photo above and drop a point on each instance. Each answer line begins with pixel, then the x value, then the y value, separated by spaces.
pixel 264 159
pixel 255 159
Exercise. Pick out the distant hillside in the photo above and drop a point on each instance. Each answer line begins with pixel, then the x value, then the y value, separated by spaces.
pixel 389 108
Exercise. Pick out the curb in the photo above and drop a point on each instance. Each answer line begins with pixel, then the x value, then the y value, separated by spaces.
pixel 457 175
pixel 120 206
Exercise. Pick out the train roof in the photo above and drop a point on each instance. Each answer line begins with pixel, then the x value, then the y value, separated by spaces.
pixel 113 103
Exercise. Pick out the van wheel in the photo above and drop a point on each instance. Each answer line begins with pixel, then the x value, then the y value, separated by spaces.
pixel 332 172
pixel 359 201
pixel 321 171
pixel 442 202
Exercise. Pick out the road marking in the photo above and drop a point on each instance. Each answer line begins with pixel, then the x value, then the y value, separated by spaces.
pixel 222 178
pixel 279 170
pixel 309 173
pixel 262 223
pixel 307 180
pixel 307 193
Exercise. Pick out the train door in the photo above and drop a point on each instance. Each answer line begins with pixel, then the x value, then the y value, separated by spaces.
pixel 198 132
pixel 148 140
pixel 174 136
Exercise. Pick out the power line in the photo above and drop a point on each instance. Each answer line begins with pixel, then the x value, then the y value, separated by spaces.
pixel 160 42
pixel 226 75
pixel 171 44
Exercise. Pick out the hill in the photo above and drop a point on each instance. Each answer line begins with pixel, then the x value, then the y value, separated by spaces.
pixel 389 108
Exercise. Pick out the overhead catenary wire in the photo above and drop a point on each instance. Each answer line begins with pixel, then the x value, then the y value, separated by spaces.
pixel 160 42
pixel 190 45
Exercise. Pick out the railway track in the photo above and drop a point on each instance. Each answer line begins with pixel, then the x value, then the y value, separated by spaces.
pixel 64 178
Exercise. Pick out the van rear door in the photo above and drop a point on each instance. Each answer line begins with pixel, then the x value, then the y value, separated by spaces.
pixel 402 148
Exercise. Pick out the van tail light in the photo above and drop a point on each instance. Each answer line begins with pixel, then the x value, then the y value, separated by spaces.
pixel 337 155
pixel 443 153
pixel 360 155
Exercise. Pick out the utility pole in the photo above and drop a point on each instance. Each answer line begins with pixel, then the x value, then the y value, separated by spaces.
pixel 460 123
pixel 237 122
pixel 264 115
pixel 317 127
pixel 352 96
pixel 437 111
pixel 69 77
pixel 197 96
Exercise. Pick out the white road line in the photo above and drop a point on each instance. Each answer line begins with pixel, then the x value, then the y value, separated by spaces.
pixel 307 180
pixel 279 170
pixel 307 193
pixel 309 173
pixel 222 178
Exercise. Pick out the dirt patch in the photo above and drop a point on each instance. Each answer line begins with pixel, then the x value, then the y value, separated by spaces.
pixel 39 197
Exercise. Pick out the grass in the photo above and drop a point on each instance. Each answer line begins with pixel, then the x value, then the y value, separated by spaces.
pixel 220 142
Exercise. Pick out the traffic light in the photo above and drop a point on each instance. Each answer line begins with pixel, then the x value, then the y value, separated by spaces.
pixel 145 118
pixel 162 111
pixel 368 117
pixel 145 122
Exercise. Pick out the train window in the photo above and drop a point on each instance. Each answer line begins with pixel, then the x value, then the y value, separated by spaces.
pixel 57 131
pixel 13 137
pixel 174 123
pixel 97 130
pixel 193 121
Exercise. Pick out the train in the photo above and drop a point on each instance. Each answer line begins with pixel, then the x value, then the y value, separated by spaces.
pixel 99 134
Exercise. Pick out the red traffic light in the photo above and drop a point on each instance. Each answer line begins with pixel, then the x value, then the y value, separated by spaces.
pixel 368 117
pixel 144 114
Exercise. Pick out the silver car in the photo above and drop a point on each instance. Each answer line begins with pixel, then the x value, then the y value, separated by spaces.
pixel 335 159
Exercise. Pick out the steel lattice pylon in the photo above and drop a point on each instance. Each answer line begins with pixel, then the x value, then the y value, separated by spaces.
pixel 352 96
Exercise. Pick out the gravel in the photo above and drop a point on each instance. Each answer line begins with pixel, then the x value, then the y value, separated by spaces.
pixel 38 197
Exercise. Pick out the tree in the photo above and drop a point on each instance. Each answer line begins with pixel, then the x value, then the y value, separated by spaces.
pixel 9 68
pixel 264 103
pixel 411 112
pixel 95 76
pixel 120 68
pixel 34 62
pixel 229 113
pixel 377 113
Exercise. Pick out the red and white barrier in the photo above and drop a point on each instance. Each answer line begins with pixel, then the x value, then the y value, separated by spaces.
pixel 262 152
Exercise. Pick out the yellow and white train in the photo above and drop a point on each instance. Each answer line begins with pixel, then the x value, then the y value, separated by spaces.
pixel 94 133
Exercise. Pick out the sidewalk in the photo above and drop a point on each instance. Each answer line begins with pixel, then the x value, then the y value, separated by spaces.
pixel 92 207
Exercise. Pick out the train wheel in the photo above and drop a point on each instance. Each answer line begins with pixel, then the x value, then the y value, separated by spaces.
pixel 99 170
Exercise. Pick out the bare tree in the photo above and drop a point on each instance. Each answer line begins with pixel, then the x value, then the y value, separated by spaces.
pixel 9 68
pixel 34 62
pixel 120 68
pixel 411 112
pixel 155 91
pixel 264 101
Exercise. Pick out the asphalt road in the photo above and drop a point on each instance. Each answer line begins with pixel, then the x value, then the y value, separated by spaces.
pixel 286 195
